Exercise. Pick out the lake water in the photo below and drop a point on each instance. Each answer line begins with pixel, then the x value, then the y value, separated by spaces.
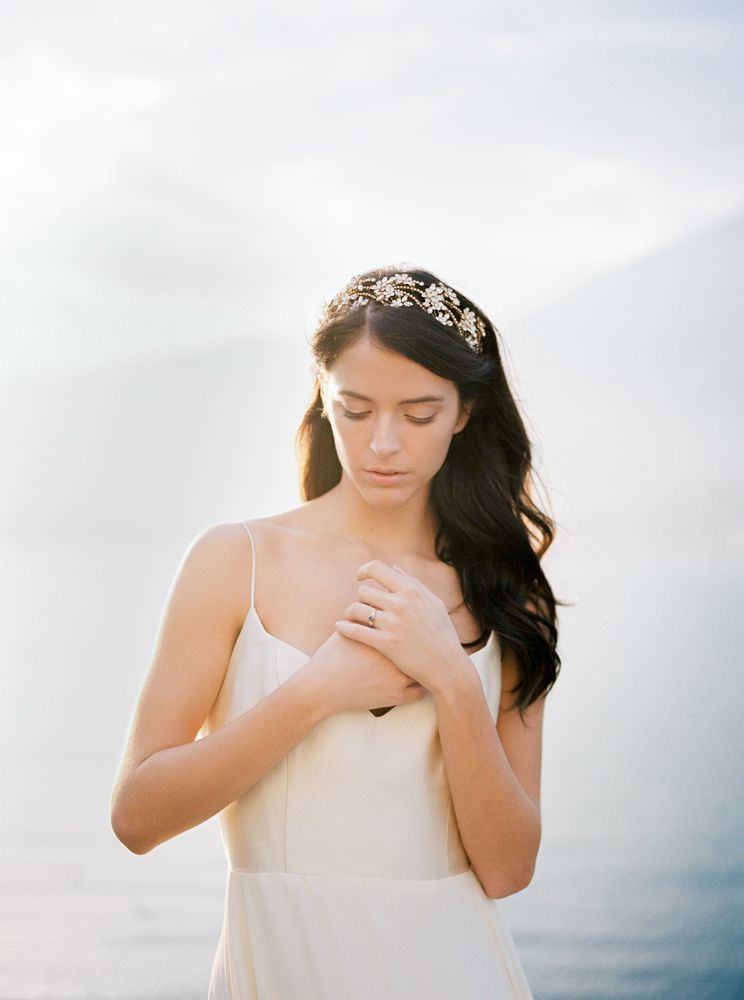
pixel 639 890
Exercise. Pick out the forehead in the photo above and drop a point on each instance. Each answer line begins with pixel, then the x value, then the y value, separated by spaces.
pixel 366 369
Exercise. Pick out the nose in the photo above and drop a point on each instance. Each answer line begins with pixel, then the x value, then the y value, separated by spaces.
pixel 385 437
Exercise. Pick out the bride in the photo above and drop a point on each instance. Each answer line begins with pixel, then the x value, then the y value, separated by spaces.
pixel 366 673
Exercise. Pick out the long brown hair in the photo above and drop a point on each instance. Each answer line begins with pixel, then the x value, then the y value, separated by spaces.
pixel 490 527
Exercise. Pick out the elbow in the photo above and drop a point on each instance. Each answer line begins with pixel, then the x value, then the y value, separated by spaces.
pixel 500 880
pixel 133 845
pixel 503 884
pixel 127 831
pixel 131 838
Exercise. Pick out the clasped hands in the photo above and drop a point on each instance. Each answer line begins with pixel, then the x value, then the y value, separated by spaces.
pixel 412 627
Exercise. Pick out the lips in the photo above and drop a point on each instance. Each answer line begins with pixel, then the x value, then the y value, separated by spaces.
pixel 387 478
pixel 387 472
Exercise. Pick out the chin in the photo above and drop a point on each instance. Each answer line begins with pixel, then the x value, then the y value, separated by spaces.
pixel 385 496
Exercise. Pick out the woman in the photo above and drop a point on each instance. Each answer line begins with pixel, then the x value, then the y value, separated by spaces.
pixel 370 706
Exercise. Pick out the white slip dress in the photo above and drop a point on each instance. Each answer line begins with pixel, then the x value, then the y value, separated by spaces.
pixel 347 878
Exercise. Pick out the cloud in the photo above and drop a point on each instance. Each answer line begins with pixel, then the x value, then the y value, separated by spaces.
pixel 167 174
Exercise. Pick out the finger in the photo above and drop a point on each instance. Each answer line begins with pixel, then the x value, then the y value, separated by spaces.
pixel 360 612
pixel 375 597
pixel 392 577
pixel 362 633
pixel 377 570
pixel 407 577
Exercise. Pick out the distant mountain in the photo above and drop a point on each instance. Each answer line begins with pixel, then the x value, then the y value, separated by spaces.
pixel 633 385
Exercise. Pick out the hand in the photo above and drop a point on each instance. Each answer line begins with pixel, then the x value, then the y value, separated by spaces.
pixel 412 627
pixel 350 675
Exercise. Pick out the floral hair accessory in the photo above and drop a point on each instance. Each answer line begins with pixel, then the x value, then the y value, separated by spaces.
pixel 404 290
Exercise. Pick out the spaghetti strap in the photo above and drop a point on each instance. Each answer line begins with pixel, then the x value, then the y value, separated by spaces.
pixel 253 567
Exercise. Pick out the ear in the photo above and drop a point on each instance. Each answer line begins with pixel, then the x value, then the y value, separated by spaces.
pixel 465 411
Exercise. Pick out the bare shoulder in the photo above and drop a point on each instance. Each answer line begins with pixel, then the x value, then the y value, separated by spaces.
pixel 216 568
pixel 301 530
pixel 196 635
pixel 227 543
pixel 215 560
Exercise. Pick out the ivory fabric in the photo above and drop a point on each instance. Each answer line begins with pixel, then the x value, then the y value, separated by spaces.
pixel 347 878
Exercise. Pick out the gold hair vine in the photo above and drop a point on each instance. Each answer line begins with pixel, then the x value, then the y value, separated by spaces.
pixel 405 290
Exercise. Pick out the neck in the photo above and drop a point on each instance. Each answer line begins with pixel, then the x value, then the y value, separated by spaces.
pixel 409 526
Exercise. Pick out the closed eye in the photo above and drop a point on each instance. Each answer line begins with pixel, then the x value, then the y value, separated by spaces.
pixel 353 415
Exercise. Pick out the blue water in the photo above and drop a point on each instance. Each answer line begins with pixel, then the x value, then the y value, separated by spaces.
pixel 639 890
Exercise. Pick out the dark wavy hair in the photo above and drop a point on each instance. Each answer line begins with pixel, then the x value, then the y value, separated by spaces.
pixel 489 527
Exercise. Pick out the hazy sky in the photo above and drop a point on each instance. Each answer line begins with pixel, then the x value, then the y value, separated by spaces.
pixel 176 175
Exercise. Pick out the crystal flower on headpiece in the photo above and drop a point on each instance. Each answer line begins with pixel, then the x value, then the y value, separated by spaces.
pixel 403 289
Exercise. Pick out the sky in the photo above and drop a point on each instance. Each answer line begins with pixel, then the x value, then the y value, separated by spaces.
pixel 178 179
pixel 177 176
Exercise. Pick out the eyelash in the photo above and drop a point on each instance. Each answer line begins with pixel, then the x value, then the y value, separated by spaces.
pixel 359 416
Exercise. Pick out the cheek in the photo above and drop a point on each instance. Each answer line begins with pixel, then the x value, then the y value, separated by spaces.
pixel 440 439
pixel 345 435
pixel 427 447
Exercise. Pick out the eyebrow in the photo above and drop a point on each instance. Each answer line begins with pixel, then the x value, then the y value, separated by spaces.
pixel 418 399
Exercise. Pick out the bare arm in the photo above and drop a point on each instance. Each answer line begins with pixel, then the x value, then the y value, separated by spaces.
pixel 168 781
pixel 494 777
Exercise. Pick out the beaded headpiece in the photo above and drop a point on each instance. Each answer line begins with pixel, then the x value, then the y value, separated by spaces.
pixel 403 289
